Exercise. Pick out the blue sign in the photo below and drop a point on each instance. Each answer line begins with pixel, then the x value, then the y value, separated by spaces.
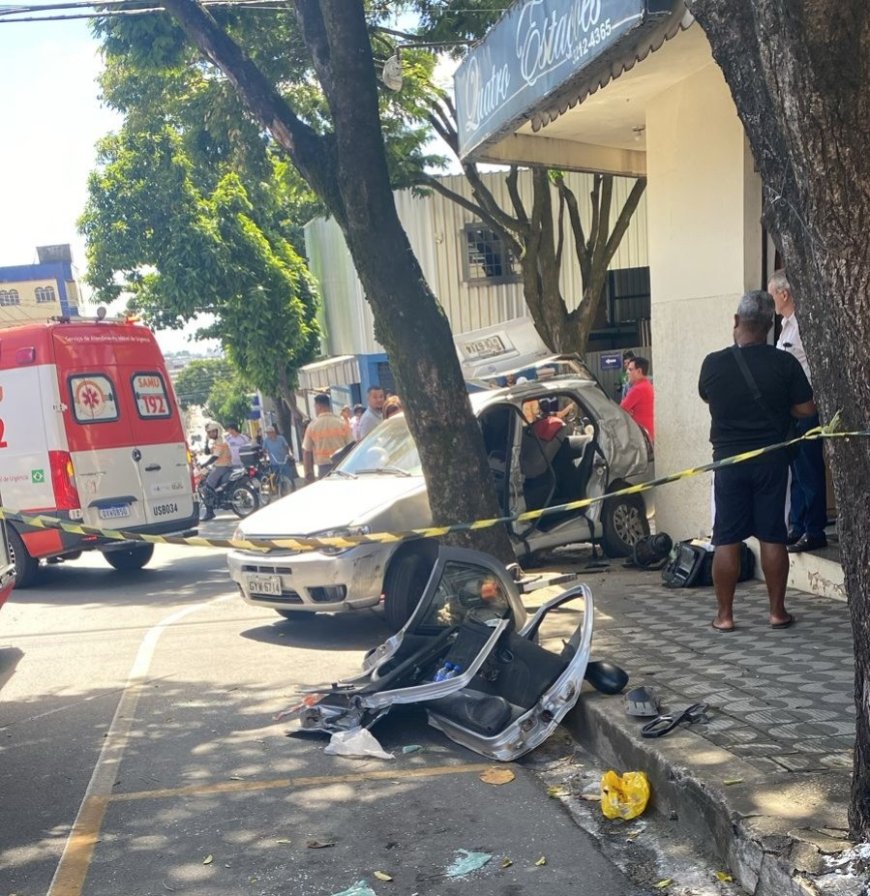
pixel 534 49
pixel 610 361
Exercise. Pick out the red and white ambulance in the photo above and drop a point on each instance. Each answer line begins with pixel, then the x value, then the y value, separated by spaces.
pixel 90 432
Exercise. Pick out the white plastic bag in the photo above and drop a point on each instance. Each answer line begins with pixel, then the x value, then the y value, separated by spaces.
pixel 358 742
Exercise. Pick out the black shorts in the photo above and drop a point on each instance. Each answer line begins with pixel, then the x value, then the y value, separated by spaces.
pixel 750 500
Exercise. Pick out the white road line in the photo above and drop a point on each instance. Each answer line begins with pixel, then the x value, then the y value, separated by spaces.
pixel 69 876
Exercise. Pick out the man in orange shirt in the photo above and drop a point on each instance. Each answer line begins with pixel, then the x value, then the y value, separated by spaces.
pixel 324 435
pixel 640 399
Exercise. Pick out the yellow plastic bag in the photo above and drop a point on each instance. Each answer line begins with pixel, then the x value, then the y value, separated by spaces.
pixel 624 796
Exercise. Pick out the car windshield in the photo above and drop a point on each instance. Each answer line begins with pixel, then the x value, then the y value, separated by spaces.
pixel 388 448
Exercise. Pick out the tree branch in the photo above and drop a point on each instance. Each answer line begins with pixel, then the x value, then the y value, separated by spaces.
pixel 311 153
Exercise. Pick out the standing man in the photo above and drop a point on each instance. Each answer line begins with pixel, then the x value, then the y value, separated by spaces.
pixel 324 435
pixel 808 514
pixel 750 495
pixel 375 412
pixel 624 380
pixel 640 400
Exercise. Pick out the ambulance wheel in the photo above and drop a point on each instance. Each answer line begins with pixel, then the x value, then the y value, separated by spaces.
pixel 624 523
pixel 131 559
pixel 26 567
pixel 244 500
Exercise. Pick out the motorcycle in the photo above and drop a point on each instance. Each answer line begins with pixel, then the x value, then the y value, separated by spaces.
pixel 238 492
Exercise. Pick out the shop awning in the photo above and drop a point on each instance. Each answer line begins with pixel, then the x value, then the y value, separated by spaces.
pixel 543 58
pixel 342 370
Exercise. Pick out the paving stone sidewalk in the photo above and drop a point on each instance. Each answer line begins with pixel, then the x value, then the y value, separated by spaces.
pixel 765 783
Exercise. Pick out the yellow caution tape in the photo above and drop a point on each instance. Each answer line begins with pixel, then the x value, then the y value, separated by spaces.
pixel 303 544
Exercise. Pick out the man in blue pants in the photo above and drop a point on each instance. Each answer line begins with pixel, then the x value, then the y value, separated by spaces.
pixel 809 507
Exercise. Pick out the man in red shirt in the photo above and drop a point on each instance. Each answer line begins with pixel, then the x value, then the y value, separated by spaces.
pixel 640 399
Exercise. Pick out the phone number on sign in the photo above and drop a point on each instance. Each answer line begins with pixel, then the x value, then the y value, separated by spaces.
pixel 596 36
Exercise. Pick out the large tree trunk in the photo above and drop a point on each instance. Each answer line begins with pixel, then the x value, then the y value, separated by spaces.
pixel 799 73
pixel 348 170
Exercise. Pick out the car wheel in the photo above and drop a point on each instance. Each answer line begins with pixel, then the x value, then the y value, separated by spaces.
pixel 130 559
pixel 624 523
pixel 26 567
pixel 403 587
pixel 244 500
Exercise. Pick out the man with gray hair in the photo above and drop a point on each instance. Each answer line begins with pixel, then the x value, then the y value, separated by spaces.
pixel 808 514
pixel 753 391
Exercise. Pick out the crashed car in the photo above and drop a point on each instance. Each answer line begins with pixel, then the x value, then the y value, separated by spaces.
pixel 470 656
pixel 379 487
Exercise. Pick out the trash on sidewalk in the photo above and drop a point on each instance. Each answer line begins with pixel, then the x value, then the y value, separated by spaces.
pixel 356 742
pixel 642 702
pixel 471 861
pixel 624 796
pixel 663 725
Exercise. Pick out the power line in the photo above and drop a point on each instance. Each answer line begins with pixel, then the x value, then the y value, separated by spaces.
pixel 113 8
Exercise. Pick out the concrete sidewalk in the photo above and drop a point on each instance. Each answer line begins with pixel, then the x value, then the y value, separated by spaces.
pixel 764 785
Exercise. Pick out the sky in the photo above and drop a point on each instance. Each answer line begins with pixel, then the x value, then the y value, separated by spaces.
pixel 51 118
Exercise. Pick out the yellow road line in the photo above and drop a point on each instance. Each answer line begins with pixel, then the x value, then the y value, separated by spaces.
pixel 298 783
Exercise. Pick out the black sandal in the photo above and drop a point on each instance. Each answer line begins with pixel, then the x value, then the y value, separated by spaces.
pixel 663 725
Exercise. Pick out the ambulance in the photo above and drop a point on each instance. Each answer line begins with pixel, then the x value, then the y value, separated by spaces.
pixel 90 433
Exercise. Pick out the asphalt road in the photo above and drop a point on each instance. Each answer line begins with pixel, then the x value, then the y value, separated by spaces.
pixel 139 755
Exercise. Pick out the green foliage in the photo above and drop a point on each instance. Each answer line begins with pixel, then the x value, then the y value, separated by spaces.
pixel 194 384
pixel 229 400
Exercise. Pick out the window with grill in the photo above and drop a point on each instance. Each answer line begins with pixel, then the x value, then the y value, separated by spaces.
pixel 486 258
pixel 9 297
pixel 45 294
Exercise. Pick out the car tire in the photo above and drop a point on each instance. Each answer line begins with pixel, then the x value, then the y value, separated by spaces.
pixel 26 567
pixel 244 500
pixel 403 587
pixel 623 523
pixel 130 559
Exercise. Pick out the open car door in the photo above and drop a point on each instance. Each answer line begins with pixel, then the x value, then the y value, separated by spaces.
pixel 469 654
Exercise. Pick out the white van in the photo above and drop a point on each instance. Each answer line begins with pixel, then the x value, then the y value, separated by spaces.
pixel 90 432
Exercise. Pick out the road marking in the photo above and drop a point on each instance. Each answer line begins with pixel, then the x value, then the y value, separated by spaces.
pixel 286 783
pixel 69 876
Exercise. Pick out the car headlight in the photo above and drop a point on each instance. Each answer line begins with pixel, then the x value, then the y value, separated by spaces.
pixel 343 532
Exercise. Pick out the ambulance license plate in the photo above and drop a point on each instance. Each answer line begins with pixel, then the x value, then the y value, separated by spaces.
pixel 269 585
pixel 116 512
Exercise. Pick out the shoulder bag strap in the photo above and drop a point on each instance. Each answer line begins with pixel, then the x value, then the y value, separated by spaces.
pixel 753 386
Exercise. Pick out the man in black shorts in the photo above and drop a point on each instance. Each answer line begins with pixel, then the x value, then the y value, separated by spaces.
pixel 750 496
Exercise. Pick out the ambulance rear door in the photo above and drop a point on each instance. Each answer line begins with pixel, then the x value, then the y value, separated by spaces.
pixel 123 427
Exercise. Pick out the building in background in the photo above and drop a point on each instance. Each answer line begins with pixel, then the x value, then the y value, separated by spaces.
pixel 473 276
pixel 35 292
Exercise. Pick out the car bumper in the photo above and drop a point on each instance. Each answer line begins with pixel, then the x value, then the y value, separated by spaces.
pixel 311 582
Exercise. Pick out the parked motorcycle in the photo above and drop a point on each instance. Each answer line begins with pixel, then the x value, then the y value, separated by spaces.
pixel 238 492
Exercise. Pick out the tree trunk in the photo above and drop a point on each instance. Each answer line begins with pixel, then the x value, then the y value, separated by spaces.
pixel 348 171
pixel 800 77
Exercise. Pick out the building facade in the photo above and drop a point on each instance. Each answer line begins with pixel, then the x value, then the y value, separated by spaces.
pixel 35 292
pixel 631 87
pixel 472 275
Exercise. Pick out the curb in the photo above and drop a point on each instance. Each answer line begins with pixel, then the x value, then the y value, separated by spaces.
pixel 735 825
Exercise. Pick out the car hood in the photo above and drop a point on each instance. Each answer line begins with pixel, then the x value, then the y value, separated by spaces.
pixel 337 502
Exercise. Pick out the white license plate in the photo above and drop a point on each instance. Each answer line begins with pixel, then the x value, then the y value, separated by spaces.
pixel 117 512
pixel 264 584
